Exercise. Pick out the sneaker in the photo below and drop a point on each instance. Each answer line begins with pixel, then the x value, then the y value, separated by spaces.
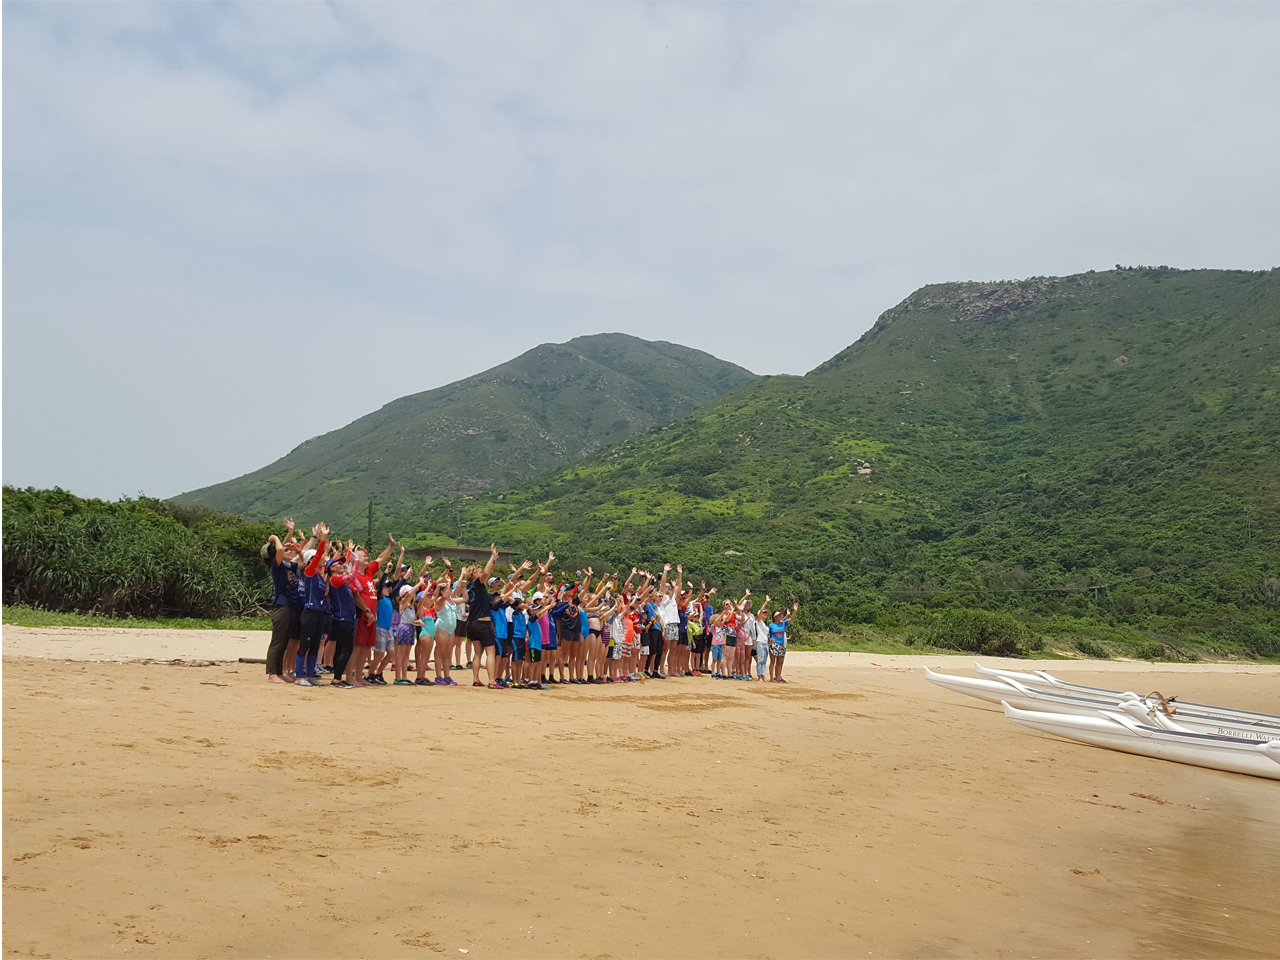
pixel 476 683
pixel 424 682
pixel 450 682
pixel 403 683
pixel 303 682
pixel 341 684
pixel 323 670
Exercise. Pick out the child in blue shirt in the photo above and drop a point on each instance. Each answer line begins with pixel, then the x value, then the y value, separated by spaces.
pixel 778 643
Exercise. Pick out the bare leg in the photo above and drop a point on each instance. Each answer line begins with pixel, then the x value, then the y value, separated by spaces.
pixel 422 655
pixel 444 654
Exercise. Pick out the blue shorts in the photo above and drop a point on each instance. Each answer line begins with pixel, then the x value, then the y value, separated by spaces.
pixel 520 647
pixel 501 647
pixel 406 634
pixel 717 652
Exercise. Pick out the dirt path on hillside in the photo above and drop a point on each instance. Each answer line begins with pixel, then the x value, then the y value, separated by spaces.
pixel 168 811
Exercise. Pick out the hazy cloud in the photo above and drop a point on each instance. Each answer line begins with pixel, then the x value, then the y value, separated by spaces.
pixel 211 210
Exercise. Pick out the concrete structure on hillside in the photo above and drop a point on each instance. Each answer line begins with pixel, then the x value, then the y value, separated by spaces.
pixel 457 552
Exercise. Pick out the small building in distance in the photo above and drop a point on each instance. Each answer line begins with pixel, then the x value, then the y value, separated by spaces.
pixel 458 552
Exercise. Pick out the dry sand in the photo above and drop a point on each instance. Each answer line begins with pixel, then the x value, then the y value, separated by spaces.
pixel 172 811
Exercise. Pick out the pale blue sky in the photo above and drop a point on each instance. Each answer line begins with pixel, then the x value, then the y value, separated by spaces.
pixel 207 206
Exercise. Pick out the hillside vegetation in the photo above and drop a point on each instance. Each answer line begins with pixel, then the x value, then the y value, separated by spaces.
pixel 547 407
pixel 1098 454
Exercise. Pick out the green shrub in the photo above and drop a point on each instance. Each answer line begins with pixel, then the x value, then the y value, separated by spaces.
pixel 1256 640
pixel 978 631
pixel 1091 648
pixel 1152 650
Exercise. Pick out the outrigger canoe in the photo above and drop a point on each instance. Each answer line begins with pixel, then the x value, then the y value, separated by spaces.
pixel 1042 680
pixel 1150 710
pixel 1117 731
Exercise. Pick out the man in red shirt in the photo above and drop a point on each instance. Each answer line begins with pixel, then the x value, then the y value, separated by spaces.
pixel 366 597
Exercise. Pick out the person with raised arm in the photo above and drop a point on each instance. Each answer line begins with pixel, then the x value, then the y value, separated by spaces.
pixel 406 629
pixel 448 596
pixel 480 629
pixel 342 628
pixel 760 623
pixel 366 598
pixel 282 559
pixel 778 642
pixel 315 604
pixel 669 619
pixel 388 615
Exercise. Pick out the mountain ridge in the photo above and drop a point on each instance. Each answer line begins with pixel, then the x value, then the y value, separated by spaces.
pixel 549 405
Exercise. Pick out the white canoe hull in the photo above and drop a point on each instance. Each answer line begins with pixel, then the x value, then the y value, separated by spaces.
pixel 1043 680
pixel 1025 697
pixel 1118 732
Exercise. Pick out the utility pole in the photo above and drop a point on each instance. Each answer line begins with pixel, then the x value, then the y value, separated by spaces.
pixel 370 540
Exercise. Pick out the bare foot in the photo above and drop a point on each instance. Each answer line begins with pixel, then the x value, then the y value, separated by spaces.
pixel 276 678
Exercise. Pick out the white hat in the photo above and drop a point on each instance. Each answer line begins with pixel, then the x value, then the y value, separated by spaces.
pixel 537 595
pixel 307 555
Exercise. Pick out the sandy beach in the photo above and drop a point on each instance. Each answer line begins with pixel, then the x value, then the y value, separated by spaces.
pixel 159 809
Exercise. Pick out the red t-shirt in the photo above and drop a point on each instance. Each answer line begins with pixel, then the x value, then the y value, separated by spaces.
pixel 365 586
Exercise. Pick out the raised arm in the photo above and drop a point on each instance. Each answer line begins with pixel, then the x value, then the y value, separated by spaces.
pixel 385 555
pixel 321 548
pixel 493 559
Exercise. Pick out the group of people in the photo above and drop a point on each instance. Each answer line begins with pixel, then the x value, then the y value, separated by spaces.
pixel 342 616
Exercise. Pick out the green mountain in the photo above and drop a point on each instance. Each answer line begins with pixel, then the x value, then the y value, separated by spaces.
pixel 1104 445
pixel 549 406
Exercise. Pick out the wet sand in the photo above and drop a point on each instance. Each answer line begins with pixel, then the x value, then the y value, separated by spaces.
pixel 858 811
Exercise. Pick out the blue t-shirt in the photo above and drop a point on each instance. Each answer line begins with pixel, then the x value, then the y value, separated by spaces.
pixel 284 576
pixel 650 616
pixel 500 623
pixel 535 635
pixel 778 632
pixel 344 602
pixel 317 592
pixel 386 611
pixel 519 625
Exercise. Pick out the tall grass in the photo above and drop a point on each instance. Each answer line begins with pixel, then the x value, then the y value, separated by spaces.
pixel 123 562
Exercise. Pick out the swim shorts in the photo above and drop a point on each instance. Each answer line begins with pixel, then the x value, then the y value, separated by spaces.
pixel 383 640
pixel 521 649
pixel 670 633
pixel 535 655
pixel 778 649
pixel 717 652
pixel 406 634
pixel 366 633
